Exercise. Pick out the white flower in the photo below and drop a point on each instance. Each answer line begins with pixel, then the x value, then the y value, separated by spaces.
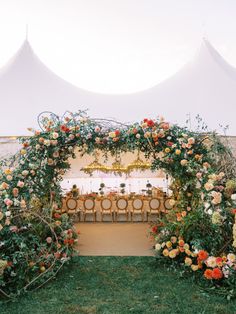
pixel 191 141
pixel 225 271
pixel 231 257
pixel 8 213
pixel 158 247
pixel 198 185
pixel 47 142
pixel 233 197
pixel 211 261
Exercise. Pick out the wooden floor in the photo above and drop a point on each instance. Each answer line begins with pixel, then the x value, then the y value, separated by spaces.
pixel 114 239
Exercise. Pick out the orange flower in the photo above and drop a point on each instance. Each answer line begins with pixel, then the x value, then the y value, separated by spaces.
pixel 217 273
pixel 233 211
pixel 208 273
pixel 71 241
pixel 178 216
pixel 202 255
pixel 181 242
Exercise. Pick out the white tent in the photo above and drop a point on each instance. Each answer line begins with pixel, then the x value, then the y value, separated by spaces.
pixel 205 86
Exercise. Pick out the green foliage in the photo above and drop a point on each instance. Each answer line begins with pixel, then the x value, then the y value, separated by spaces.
pixel 139 285
pixel 34 247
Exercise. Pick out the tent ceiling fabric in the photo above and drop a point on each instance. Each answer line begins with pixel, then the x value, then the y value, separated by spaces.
pixel 205 86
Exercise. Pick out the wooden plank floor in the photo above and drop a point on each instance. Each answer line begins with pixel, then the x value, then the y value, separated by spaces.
pixel 114 239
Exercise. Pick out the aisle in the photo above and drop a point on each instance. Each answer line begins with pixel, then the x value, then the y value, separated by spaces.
pixel 114 239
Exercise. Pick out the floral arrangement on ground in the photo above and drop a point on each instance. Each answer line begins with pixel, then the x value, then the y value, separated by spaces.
pixel 36 238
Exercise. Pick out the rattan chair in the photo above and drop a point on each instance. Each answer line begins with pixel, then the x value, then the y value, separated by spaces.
pixel 137 208
pixel 89 208
pixel 72 207
pixel 167 205
pixel 122 208
pixel 106 208
pixel 154 207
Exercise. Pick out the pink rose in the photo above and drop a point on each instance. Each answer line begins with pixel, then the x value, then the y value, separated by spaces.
pixel 56 154
pixel 41 140
pixel 49 240
pixel 55 135
pixel 13 228
pixel 199 175
pixel 8 202
pixel 20 184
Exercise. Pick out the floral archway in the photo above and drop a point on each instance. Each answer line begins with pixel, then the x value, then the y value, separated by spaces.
pixel 36 240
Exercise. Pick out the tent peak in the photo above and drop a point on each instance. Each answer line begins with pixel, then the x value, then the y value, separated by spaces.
pixel 208 56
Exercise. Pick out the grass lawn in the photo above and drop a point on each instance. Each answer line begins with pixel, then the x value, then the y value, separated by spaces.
pixel 118 285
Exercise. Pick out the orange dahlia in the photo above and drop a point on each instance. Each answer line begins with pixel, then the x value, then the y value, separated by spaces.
pixel 202 255
pixel 208 274
pixel 217 273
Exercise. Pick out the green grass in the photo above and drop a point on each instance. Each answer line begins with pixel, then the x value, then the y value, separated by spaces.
pixel 118 285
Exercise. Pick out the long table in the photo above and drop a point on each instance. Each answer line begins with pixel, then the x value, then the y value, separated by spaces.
pixel 80 208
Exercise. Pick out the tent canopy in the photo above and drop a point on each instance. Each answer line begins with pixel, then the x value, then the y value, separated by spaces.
pixel 205 86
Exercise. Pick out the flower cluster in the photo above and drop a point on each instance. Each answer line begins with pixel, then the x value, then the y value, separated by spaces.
pixel 234 232
pixel 212 267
